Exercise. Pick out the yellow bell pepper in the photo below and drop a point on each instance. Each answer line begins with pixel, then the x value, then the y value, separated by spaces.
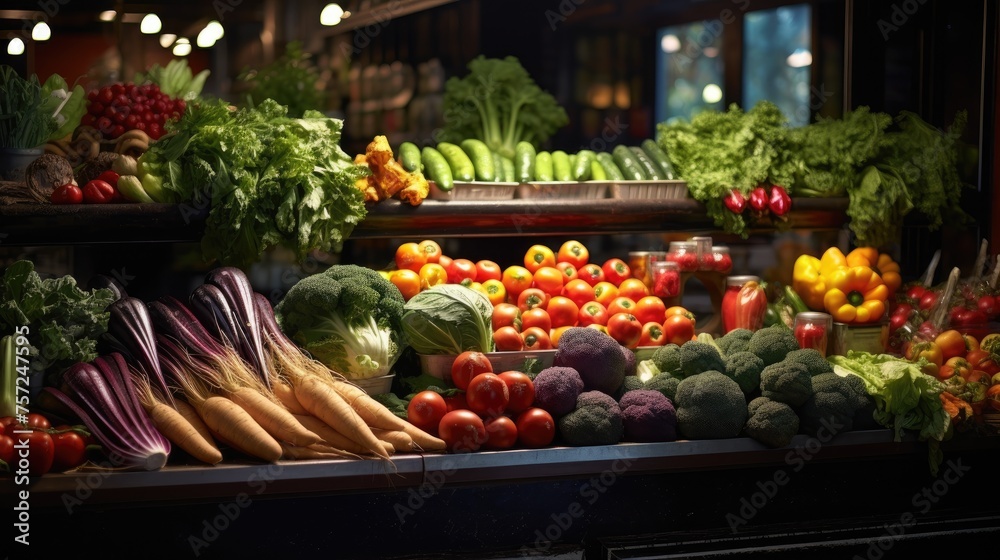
pixel 856 295
pixel 862 256
pixel 807 281
pixel 882 263
pixel 831 260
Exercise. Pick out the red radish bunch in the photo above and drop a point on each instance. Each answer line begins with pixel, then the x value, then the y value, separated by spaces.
pixel 117 108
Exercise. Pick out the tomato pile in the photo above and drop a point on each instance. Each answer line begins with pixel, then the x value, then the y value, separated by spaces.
pixel 488 410
pixel 117 108
pixel 50 448
pixel 536 300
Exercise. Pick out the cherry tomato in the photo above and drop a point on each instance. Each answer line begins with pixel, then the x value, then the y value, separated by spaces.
pixel 488 270
pixel 615 271
pixel 467 365
pixel 495 290
pixel 430 249
pixel 410 257
pixel 432 274
pixel 535 428
pixel 573 252
pixel 625 328
pixel 633 288
pixel 562 311
pixel 501 433
pixel 621 304
pixel 652 334
pixel 548 279
pixel 506 314
pixel 536 339
pixel 407 281
pixel 650 309
pixel 592 313
pixel 461 269
pixel 539 256
pixel 591 272
pixel 508 339
pixel 462 430
pixel 678 329
pixel 536 317
pixel 70 450
pixel 66 194
pixel 531 298
pixel 487 395
pixel 516 279
pixel 605 293
pixel 569 271
pixel 579 291
pixel 521 389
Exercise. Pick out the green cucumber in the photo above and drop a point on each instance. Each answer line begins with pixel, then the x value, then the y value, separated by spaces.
pixel 459 162
pixel 509 173
pixel 482 159
pixel 524 162
pixel 410 157
pixel 652 171
pixel 437 168
pixel 610 168
pixel 597 171
pixel 543 167
pixel 630 167
pixel 581 168
pixel 659 157
pixel 561 169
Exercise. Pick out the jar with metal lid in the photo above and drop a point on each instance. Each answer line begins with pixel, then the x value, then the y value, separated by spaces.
pixel 718 260
pixel 812 330
pixel 703 248
pixel 666 279
pixel 640 263
pixel 685 254
pixel 743 309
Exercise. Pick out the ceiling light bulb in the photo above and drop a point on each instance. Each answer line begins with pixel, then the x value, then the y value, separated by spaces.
pixel 150 24
pixel 15 47
pixel 205 38
pixel 167 39
pixel 41 32
pixel 331 15
pixel 216 29
pixel 107 15
pixel 182 49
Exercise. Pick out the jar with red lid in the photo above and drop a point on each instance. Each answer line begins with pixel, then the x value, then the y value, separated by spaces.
pixel 743 304
pixel 812 330
pixel 685 254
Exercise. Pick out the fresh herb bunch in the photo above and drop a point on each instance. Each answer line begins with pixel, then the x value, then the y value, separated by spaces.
pixel 23 122
pixel 499 103
pixel 175 79
pixel 291 80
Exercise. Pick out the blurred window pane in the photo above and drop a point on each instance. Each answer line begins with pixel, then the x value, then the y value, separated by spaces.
pixel 777 60
pixel 688 71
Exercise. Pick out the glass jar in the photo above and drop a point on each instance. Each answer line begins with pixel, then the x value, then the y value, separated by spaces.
pixel 812 330
pixel 718 260
pixel 666 279
pixel 703 248
pixel 742 310
pixel 685 254
pixel 640 264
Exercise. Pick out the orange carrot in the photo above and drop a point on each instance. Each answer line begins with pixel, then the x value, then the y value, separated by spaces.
pixel 336 439
pixel 236 427
pixel 322 401
pixel 271 416
pixel 286 396
pixel 180 431
pixel 400 440
pixel 376 415
pixel 313 452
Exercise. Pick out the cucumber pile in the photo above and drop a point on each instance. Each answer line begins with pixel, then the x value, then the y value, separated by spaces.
pixel 472 160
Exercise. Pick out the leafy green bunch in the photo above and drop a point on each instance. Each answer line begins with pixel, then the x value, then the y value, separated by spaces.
pixel 291 80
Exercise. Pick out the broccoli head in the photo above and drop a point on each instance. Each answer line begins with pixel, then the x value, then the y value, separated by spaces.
pixel 812 359
pixel 786 381
pixel 597 420
pixel 710 406
pixel 596 356
pixel 556 390
pixel 771 422
pixel 648 416
pixel 734 341
pixel 664 383
pixel 631 383
pixel 631 363
pixel 697 357
pixel 835 402
pixel 744 368
pixel 667 358
pixel 349 317
pixel 772 344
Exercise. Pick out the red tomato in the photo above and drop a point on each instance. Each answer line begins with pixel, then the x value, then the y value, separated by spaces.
pixel 501 433
pixel 38 421
pixel 461 269
pixel 615 271
pixel 621 304
pixel 445 261
pixel 652 334
pixel 41 450
pixel 928 300
pixel 982 360
pixel 579 291
pixel 488 270
pixel 573 252
pixel 66 194
pixel 592 273
pixel 536 339
pixel 536 317
pixel 539 256
pixel 562 311
pixel 521 389
pixel 625 328
pixel 70 450
pixel 535 428
pixel 678 329
pixel 929 350
pixel 568 270
pixel 462 431
pixel 592 313
pixel 531 298
pixel 467 365
pixel 7 454
pixel 487 395
pixel 516 279
pixel 548 279
pixel 633 288
pixel 109 177
pixel 605 292
pixel 951 343
pixel 431 250
pixel 432 274
pixel 410 257
pixel 506 315
pixel 457 401
pixel 495 290
pixel 508 339
pixel 650 309
pixel 556 333
pixel 407 281
pixel 425 411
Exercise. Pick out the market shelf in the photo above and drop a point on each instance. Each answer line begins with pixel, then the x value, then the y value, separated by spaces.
pixel 46 224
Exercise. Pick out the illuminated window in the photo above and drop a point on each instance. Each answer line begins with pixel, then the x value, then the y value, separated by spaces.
pixel 688 71
pixel 777 60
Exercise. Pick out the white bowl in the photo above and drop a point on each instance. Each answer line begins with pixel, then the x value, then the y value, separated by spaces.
pixel 375 385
